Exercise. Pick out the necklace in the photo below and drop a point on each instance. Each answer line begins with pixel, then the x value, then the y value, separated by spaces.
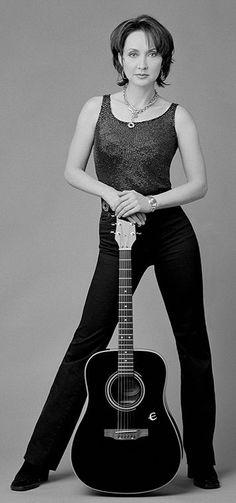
pixel 135 112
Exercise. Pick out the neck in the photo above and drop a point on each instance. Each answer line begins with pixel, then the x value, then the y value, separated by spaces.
pixel 139 96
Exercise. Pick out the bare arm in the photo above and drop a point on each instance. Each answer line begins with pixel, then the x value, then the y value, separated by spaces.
pixel 193 164
pixel 79 152
pixel 78 156
pixel 194 168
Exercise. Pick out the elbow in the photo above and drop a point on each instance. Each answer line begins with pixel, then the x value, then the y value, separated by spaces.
pixel 203 190
pixel 199 189
pixel 68 175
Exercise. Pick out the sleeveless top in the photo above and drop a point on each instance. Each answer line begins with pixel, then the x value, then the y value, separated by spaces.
pixel 138 158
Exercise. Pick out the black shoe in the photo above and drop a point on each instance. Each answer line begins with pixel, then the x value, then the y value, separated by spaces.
pixel 28 477
pixel 206 478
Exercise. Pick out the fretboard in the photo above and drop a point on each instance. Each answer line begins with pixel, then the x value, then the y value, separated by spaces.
pixel 125 331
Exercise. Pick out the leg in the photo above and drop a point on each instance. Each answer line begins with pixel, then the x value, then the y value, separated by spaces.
pixel 179 274
pixel 67 395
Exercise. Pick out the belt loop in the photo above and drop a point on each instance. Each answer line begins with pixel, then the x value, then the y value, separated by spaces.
pixel 105 206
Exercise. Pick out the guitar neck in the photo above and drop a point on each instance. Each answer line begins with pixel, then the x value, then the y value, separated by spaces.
pixel 125 330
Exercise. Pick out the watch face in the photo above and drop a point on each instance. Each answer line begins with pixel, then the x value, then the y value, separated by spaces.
pixel 153 203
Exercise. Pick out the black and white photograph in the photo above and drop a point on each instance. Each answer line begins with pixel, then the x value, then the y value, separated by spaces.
pixel 118 245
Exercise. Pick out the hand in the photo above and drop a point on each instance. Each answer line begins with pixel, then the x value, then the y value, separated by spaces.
pixel 138 218
pixel 111 197
pixel 131 202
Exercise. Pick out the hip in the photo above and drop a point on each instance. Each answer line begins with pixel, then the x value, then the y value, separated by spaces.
pixel 170 226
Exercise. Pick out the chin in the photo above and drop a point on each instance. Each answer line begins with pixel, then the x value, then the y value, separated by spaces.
pixel 142 82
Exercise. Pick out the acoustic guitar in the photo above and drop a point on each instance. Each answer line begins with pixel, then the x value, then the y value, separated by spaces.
pixel 127 441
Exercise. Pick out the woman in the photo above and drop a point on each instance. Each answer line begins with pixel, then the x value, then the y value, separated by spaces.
pixel 135 134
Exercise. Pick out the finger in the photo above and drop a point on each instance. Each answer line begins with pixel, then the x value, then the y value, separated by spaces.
pixel 141 217
pixel 125 199
pixel 122 193
pixel 135 219
pixel 120 204
pixel 123 207
pixel 131 220
pixel 128 212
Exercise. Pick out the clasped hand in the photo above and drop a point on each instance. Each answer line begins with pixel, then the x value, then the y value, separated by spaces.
pixel 133 206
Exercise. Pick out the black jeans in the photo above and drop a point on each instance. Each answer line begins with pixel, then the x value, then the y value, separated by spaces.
pixel 168 243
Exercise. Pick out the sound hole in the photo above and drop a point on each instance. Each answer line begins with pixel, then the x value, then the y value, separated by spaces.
pixel 125 391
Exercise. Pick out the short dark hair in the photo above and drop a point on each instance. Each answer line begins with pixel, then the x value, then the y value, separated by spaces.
pixel 154 30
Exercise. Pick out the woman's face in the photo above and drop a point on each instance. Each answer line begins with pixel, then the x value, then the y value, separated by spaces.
pixel 141 61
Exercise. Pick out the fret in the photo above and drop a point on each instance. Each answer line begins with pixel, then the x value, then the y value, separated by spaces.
pixel 123 365
pixel 126 292
pixel 124 306
pixel 127 322
pixel 125 371
pixel 126 365
pixel 126 317
pixel 127 344
pixel 126 337
pixel 125 309
pixel 126 334
pixel 126 356
pixel 124 341
pixel 124 330
pixel 126 312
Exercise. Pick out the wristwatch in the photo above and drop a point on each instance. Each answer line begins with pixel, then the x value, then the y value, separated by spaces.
pixel 153 202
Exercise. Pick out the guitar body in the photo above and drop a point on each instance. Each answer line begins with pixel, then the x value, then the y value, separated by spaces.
pixel 127 441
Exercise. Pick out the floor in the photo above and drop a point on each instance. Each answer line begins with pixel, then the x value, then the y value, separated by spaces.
pixel 64 487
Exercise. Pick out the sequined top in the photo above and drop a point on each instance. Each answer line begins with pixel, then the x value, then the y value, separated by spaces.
pixel 136 158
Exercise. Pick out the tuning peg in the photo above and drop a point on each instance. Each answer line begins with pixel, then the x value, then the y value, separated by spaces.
pixel 113 225
pixel 138 233
pixel 112 232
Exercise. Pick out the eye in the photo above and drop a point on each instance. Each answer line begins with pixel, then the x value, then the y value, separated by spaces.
pixel 132 54
pixel 153 53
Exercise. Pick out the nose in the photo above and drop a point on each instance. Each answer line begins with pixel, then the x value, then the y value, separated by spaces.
pixel 142 63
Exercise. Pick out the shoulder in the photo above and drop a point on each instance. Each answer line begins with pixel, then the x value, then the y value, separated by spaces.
pixel 93 104
pixel 183 120
pixel 183 116
pixel 90 110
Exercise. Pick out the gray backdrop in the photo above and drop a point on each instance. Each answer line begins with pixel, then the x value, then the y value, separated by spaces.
pixel 56 55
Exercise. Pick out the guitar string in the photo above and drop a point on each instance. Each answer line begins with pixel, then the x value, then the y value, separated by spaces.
pixel 125 355
pixel 127 326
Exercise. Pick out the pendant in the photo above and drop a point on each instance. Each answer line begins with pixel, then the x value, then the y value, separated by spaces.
pixel 130 124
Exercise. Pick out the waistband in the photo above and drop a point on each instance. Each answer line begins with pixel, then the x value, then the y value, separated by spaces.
pixel 174 209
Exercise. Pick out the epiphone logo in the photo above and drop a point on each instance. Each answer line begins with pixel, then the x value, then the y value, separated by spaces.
pixel 152 416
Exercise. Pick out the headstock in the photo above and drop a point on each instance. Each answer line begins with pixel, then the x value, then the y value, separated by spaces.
pixel 125 234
